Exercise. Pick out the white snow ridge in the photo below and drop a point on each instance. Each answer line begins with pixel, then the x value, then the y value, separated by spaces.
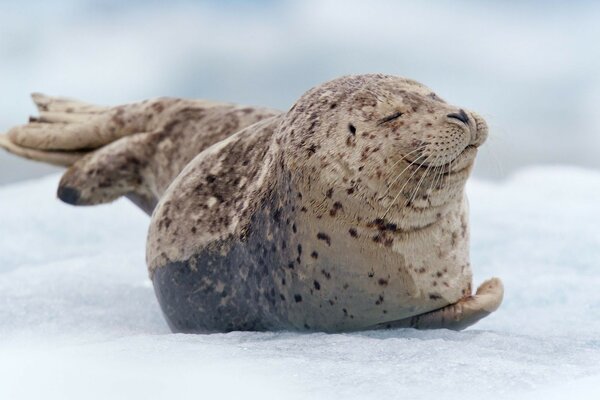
pixel 78 317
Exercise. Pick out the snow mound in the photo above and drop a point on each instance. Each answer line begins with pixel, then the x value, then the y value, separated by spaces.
pixel 78 317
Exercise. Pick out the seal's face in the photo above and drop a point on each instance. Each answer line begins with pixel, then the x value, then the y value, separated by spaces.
pixel 394 138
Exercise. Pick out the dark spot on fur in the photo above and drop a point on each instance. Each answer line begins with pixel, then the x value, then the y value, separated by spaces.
pixel 298 298
pixel 157 107
pixel 329 192
pixel 326 274
pixel 352 129
pixel 352 232
pixel 317 285
pixel 314 255
pixel 434 296
pixel 210 178
pixel 382 282
pixel 336 206
pixel 277 215
pixel 325 237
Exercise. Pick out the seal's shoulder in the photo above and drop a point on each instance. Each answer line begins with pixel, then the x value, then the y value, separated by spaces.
pixel 213 198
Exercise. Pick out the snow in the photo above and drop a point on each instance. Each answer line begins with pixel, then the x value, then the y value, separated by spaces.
pixel 78 317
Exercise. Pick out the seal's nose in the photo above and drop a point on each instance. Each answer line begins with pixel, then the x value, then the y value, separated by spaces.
pixel 480 133
pixel 461 115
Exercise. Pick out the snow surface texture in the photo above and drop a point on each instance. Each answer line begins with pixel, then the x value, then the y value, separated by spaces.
pixel 78 316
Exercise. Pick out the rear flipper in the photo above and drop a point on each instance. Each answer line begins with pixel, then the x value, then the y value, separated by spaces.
pixel 66 125
pixel 460 315
pixel 101 145
pixel 133 150
pixel 56 157
pixel 59 135
pixel 117 169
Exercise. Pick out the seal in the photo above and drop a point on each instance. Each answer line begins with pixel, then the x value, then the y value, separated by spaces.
pixel 346 212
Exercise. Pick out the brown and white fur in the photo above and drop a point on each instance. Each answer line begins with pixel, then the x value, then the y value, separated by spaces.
pixel 347 212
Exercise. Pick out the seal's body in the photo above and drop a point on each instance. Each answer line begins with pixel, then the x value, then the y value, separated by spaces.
pixel 346 212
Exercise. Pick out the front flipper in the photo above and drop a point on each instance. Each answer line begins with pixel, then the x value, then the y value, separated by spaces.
pixel 460 315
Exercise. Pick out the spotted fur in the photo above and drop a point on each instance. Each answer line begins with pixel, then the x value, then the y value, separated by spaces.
pixel 325 217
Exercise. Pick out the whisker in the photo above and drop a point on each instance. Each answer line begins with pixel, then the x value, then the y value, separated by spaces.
pixel 389 186
pixel 416 191
pixel 405 183
pixel 435 177
pixel 440 176
pixel 404 158
pixel 446 178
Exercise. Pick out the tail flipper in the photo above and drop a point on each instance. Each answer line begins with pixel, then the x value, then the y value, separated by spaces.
pixel 132 150
pixel 100 145
pixel 59 158
pixel 115 170
pixel 70 125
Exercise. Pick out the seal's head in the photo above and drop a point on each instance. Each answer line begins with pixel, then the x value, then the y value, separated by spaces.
pixel 394 144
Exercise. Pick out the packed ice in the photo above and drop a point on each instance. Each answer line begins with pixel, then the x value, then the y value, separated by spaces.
pixel 78 316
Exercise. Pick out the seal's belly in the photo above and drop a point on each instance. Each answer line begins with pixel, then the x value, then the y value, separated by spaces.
pixel 350 279
pixel 349 285
pixel 292 271
pixel 307 285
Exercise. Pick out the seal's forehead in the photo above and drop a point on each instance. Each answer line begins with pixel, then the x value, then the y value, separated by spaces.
pixel 378 85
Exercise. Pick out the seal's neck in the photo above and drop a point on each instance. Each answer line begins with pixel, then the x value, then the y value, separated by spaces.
pixel 369 203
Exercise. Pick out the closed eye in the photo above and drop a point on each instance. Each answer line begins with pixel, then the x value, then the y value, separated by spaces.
pixel 390 118
pixel 461 116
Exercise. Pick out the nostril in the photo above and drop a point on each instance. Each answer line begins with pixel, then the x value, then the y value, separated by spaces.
pixel 461 115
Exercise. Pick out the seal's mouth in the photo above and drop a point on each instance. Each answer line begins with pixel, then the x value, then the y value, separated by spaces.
pixel 462 161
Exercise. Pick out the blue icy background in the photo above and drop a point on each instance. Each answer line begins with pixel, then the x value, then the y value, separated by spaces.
pixel 531 68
